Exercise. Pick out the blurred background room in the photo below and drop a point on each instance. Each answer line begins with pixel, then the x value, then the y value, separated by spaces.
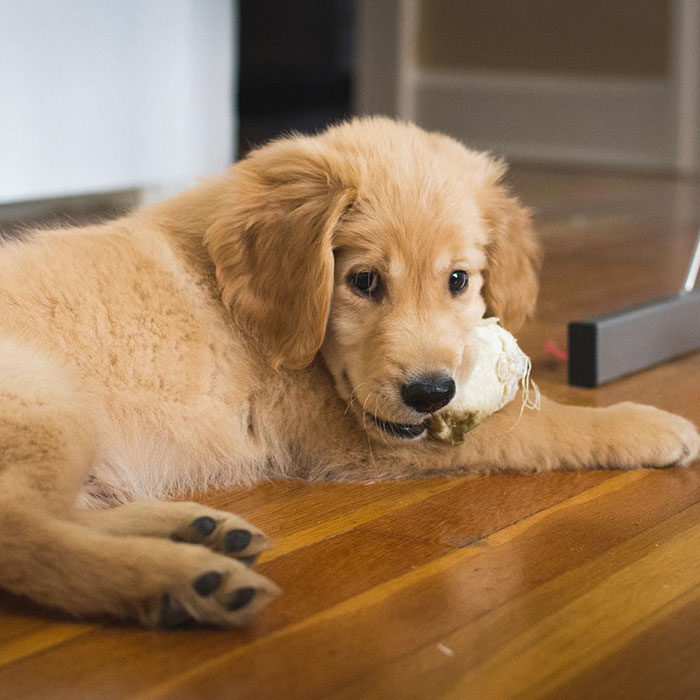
pixel 111 103
pixel 121 95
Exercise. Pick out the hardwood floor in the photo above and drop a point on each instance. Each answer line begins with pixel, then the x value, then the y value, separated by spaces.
pixel 567 585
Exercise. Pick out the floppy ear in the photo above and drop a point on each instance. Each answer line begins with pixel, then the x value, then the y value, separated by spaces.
pixel 271 245
pixel 513 258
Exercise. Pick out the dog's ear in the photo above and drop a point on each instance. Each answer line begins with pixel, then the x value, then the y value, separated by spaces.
pixel 272 245
pixel 513 257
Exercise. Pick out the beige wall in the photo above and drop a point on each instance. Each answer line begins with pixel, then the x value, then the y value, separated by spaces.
pixel 625 38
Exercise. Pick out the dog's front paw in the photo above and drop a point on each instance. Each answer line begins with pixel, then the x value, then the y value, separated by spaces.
pixel 201 587
pixel 644 436
pixel 218 530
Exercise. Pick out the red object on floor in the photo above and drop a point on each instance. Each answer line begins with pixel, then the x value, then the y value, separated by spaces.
pixel 551 348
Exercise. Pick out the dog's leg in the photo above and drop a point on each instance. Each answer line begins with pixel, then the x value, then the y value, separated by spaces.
pixel 156 581
pixel 46 448
pixel 623 436
pixel 183 522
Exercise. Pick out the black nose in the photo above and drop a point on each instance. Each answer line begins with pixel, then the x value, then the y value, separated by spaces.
pixel 428 393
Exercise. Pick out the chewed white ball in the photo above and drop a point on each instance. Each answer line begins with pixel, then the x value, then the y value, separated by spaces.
pixel 501 368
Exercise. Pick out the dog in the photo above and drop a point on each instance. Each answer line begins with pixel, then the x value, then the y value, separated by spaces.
pixel 301 316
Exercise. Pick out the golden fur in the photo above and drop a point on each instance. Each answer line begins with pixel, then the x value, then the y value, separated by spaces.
pixel 214 340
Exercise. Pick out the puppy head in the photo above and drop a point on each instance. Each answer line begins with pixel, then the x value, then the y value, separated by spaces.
pixel 382 246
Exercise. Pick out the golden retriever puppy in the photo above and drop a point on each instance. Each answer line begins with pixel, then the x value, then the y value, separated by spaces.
pixel 301 316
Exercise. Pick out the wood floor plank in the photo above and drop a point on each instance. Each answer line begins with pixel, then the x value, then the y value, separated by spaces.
pixel 577 635
pixel 15 624
pixel 341 519
pixel 44 637
pixel 315 510
pixel 456 589
pixel 247 500
pixel 482 505
pixel 528 646
pixel 635 672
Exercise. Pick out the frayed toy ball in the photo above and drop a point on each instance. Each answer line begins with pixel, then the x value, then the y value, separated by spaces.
pixel 501 369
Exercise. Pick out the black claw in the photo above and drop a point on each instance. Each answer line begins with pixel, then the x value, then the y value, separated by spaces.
pixel 207 583
pixel 237 540
pixel 203 525
pixel 248 561
pixel 172 614
pixel 241 597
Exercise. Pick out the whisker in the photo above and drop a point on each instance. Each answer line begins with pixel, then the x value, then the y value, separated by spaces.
pixel 392 448
pixel 353 395
pixel 367 432
pixel 376 413
pixel 364 412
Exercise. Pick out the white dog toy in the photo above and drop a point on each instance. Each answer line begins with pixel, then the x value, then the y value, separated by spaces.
pixel 500 369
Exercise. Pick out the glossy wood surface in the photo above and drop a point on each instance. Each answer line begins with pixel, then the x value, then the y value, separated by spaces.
pixel 567 585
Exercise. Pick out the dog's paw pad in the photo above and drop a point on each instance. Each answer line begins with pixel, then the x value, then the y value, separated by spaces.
pixel 203 526
pixel 221 532
pixel 207 583
pixel 237 540
pixel 241 597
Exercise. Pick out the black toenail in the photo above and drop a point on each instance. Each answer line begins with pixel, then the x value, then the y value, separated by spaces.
pixel 237 540
pixel 203 526
pixel 241 598
pixel 172 614
pixel 248 561
pixel 207 583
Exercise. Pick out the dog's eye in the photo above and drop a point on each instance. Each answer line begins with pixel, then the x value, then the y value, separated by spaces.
pixel 366 283
pixel 459 280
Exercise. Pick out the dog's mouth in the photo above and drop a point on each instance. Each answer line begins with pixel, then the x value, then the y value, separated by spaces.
pixel 402 430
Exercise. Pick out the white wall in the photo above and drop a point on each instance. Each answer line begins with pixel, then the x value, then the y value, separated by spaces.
pixel 100 95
